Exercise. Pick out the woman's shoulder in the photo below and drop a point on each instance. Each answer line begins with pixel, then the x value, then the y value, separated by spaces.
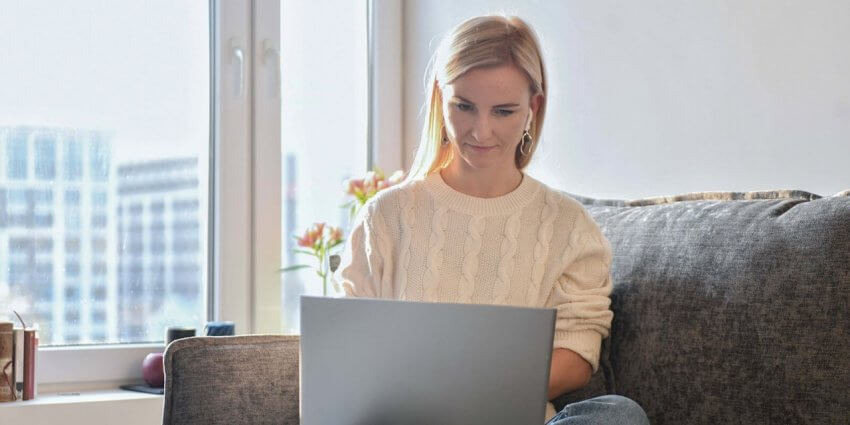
pixel 391 200
pixel 567 205
pixel 573 214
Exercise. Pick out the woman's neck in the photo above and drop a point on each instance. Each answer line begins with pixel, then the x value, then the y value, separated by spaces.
pixel 486 183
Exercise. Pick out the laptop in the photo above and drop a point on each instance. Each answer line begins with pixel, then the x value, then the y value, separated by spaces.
pixel 374 362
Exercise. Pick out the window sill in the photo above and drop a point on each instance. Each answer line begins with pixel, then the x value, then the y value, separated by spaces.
pixel 90 407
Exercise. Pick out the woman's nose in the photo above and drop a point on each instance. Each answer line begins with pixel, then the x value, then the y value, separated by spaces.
pixel 483 128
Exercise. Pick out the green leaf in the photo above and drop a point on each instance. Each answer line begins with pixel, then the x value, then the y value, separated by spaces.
pixel 295 267
pixel 304 251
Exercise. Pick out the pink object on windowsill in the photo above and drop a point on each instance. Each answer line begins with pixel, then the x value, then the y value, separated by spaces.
pixel 152 370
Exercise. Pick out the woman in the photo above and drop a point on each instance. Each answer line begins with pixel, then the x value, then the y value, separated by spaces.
pixel 469 226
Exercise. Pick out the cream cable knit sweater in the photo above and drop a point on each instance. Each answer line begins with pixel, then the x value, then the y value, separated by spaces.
pixel 424 241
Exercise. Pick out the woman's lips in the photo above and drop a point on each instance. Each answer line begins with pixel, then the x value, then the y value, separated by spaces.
pixel 481 149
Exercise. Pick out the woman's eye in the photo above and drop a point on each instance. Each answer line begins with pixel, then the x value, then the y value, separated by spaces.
pixel 464 107
pixel 504 112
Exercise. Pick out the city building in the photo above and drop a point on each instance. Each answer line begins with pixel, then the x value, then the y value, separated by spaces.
pixel 161 261
pixel 55 187
pixel 99 252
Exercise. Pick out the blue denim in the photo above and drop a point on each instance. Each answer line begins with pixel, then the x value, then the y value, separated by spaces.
pixel 605 410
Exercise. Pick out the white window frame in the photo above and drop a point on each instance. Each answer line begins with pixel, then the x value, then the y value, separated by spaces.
pixel 384 136
pixel 266 166
pixel 386 84
pixel 230 224
pixel 245 201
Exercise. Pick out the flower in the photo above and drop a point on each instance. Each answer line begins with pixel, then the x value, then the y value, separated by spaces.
pixel 335 236
pixel 319 240
pixel 363 189
pixel 311 236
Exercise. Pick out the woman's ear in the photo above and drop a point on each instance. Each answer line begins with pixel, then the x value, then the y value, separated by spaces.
pixel 534 104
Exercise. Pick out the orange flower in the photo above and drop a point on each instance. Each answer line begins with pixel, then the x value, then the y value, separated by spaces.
pixel 305 240
pixel 318 230
pixel 320 241
pixel 353 186
pixel 364 189
pixel 312 235
pixel 335 236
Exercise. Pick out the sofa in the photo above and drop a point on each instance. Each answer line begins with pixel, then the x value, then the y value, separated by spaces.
pixel 728 307
pixel 232 380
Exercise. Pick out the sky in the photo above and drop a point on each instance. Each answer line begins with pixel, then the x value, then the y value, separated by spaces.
pixel 138 70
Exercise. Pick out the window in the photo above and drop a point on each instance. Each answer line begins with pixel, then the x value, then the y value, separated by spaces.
pixel 45 157
pixel 73 156
pixel 99 158
pixel 112 115
pixel 107 204
pixel 16 154
pixel 71 292
pixel 322 85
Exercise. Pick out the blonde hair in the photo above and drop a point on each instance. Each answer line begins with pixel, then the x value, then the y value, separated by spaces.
pixel 484 41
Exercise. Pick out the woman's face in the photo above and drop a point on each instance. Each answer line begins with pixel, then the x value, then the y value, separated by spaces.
pixel 486 111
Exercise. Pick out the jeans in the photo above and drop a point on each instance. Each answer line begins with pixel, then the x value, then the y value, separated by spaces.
pixel 608 409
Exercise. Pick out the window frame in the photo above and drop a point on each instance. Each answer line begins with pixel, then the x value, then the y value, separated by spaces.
pixel 244 216
pixel 229 241
pixel 386 85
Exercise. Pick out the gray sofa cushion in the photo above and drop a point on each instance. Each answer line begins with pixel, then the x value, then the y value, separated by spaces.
pixel 232 380
pixel 731 307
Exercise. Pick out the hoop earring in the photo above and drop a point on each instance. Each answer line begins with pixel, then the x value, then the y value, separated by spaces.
pixel 526 138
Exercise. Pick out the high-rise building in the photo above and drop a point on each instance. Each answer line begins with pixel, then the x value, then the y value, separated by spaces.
pixel 161 253
pixel 55 237
pixel 99 253
pixel 293 286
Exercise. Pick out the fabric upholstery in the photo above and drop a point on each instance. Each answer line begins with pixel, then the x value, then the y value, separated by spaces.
pixel 232 380
pixel 730 308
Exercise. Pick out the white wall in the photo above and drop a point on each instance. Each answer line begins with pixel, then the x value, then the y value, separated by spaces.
pixel 658 97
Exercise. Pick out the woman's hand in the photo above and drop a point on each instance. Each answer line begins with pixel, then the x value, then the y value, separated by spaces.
pixel 569 372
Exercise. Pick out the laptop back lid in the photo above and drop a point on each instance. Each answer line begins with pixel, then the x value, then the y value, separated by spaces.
pixel 369 361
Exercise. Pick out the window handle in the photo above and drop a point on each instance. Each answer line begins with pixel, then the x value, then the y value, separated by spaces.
pixel 271 54
pixel 237 55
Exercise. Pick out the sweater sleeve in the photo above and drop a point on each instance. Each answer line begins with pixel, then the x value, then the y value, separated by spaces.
pixel 363 264
pixel 581 294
